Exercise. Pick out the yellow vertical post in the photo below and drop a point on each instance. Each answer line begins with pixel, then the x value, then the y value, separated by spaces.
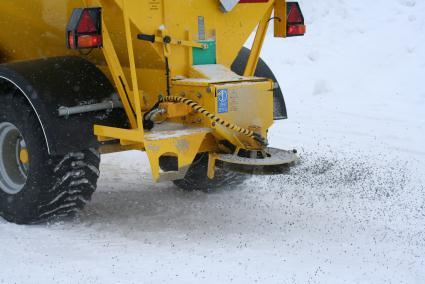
pixel 212 159
pixel 116 70
pixel 251 66
pixel 136 92
pixel 280 18
pixel 189 50
pixel 118 75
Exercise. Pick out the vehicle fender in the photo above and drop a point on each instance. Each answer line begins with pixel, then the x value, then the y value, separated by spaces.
pixel 63 81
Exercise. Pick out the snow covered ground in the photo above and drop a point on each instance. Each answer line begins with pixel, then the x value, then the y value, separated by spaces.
pixel 352 212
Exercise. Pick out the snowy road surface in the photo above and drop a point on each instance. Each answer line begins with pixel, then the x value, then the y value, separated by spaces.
pixel 353 211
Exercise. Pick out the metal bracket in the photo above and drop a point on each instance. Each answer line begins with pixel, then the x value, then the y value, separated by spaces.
pixel 169 40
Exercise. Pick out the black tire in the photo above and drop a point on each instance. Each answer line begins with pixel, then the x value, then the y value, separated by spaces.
pixel 55 185
pixel 196 178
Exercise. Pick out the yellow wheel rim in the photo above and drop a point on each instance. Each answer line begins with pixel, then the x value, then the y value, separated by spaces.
pixel 24 156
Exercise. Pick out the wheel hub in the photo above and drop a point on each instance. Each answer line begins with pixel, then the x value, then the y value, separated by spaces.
pixel 14 159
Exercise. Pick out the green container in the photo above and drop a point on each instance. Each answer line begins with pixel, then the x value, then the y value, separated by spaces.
pixel 205 56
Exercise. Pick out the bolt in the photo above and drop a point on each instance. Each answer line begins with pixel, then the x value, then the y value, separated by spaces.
pixel 199 95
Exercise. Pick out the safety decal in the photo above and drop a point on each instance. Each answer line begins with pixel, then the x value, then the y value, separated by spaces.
pixel 223 100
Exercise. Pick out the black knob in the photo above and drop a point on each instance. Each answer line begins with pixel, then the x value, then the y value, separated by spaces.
pixel 167 39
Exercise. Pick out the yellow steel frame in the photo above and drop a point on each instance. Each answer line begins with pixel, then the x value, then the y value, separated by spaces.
pixel 136 67
pixel 185 147
pixel 187 43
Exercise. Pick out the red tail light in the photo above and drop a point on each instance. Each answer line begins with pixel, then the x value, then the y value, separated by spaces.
pixel 87 24
pixel 295 20
pixel 85 29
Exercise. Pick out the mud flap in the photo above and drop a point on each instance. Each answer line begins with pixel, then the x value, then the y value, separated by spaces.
pixel 63 81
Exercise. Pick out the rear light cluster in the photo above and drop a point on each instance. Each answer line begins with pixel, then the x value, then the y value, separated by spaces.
pixel 293 25
pixel 84 29
pixel 295 20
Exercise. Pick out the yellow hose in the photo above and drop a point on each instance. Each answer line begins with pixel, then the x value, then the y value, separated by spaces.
pixel 198 108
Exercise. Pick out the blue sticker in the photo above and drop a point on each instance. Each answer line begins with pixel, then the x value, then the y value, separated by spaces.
pixel 223 100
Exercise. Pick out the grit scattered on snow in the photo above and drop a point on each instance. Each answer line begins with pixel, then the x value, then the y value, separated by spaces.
pixel 351 212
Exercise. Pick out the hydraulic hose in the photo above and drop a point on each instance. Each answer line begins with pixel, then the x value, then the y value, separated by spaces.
pixel 198 108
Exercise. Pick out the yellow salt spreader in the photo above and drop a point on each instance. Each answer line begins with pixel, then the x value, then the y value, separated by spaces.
pixel 83 78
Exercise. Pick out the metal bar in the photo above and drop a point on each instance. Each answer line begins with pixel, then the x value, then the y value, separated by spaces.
pixel 183 43
pixel 67 111
pixel 201 28
pixel 158 39
pixel 251 66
